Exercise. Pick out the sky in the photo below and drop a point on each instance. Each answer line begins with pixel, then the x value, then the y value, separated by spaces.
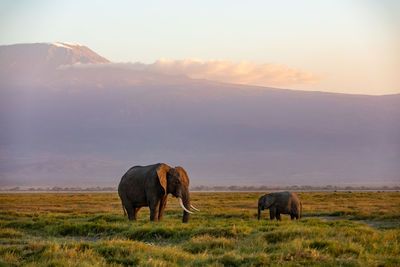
pixel 335 46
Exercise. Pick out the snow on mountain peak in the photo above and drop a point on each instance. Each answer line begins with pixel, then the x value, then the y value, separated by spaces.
pixel 66 44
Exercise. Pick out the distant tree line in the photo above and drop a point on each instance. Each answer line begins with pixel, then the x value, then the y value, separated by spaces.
pixel 58 188
pixel 233 188
pixel 292 188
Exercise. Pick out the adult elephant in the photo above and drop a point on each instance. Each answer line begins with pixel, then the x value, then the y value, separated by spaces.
pixel 149 186
pixel 280 203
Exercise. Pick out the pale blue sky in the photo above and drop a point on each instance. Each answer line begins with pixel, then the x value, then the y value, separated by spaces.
pixel 354 46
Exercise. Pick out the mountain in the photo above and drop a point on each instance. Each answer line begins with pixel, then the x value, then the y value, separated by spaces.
pixel 86 124
pixel 31 62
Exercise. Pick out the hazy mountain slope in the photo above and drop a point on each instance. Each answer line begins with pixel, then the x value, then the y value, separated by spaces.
pixel 87 125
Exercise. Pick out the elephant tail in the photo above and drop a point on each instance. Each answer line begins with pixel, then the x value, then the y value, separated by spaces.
pixel 123 208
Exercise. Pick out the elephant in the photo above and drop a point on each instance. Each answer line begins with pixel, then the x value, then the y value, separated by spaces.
pixel 280 203
pixel 149 186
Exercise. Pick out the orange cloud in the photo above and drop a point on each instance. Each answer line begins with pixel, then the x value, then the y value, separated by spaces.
pixel 243 72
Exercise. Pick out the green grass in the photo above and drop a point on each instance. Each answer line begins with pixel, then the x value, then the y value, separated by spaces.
pixel 337 228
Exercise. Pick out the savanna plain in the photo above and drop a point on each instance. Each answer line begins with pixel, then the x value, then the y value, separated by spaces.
pixel 89 229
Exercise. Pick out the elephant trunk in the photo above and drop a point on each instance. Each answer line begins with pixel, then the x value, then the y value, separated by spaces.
pixel 259 213
pixel 186 204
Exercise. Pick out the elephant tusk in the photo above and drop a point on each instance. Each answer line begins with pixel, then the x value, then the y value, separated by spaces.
pixel 183 207
pixel 193 207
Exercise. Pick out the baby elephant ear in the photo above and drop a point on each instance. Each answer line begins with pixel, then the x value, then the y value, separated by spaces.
pixel 162 176
pixel 269 200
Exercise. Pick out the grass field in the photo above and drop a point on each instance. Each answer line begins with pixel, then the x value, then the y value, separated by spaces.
pixel 337 228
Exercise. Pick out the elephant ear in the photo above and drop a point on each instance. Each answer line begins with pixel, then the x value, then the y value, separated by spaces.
pixel 162 176
pixel 269 200
pixel 183 174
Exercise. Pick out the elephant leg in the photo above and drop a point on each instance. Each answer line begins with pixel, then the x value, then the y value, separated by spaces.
pixel 136 212
pixel 272 214
pixel 163 203
pixel 154 208
pixel 130 210
pixel 278 216
pixel 292 216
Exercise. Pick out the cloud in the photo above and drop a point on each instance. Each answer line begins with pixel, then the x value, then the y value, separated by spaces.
pixel 242 72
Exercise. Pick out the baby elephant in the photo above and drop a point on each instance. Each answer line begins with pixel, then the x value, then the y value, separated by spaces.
pixel 280 203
